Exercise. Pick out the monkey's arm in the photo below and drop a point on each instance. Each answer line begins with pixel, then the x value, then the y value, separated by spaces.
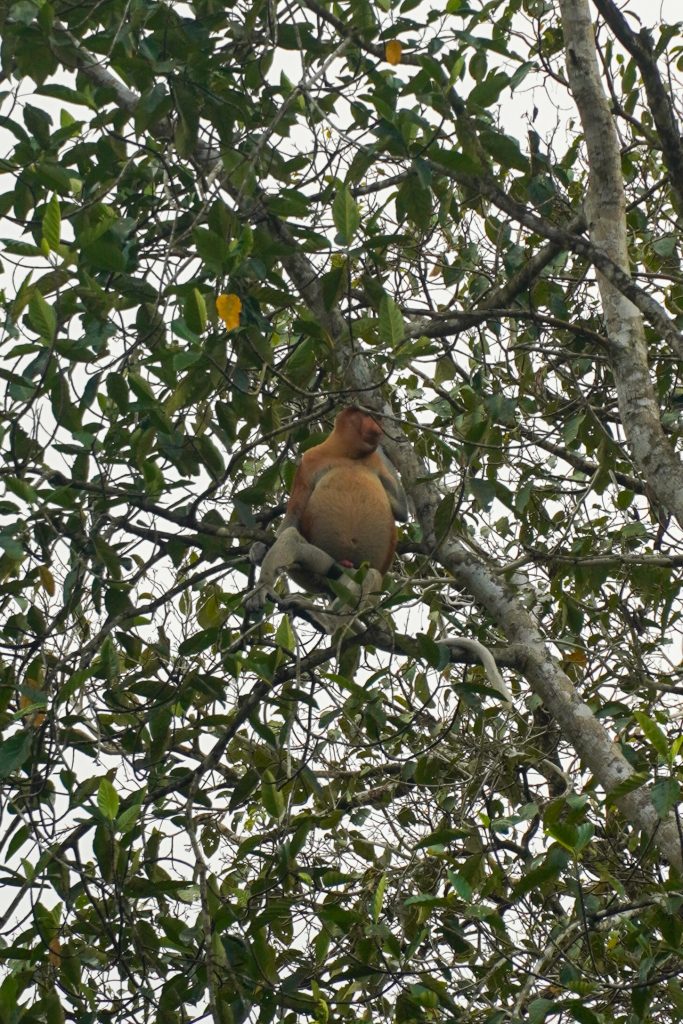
pixel 291 550
pixel 302 488
pixel 394 488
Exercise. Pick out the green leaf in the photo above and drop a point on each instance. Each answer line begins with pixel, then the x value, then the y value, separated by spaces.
pixel 344 919
pixel 285 636
pixel 460 164
pixel 505 150
pixel 41 316
pixel 264 955
pixel 346 215
pixel 107 799
pixel 141 389
pixel 11 546
pixel 461 885
pixel 628 785
pixel 104 849
pixel 666 245
pixel 414 201
pixel 666 794
pixel 13 752
pixel 391 328
pixel 436 655
pixel 99 219
pixel 66 413
pixel 442 837
pixel 487 92
pixel 20 837
pixel 38 123
pixel 244 788
pixel 211 456
pixel 109 659
pixel 195 311
pixel 21 488
pixel 127 820
pixel 54 1011
pixel 211 248
pixel 539 1010
pixel 199 642
pixel 564 833
pixel 483 491
pixel 521 73
pixel 302 363
pixel 378 898
pixel 152 106
pixel 117 389
pixel 52 223
pixel 104 254
pixel 654 735
pixel 59 91
pixel 332 284
pixel 209 613
pixel 582 1014
pixel 272 797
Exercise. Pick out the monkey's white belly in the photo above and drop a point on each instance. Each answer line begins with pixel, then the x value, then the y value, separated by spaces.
pixel 349 516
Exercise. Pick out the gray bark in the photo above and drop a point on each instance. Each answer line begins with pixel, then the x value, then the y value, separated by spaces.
pixel 606 213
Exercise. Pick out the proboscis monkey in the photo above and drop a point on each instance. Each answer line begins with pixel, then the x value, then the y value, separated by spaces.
pixel 345 499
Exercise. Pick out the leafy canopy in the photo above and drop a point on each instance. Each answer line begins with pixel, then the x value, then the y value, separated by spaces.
pixel 218 218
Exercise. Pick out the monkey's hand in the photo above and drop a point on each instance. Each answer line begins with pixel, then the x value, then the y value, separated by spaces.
pixel 256 598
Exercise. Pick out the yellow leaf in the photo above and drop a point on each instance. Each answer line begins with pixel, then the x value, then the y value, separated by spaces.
pixel 47 580
pixel 576 656
pixel 54 954
pixel 228 308
pixel 34 718
pixel 392 52
pixel 32 699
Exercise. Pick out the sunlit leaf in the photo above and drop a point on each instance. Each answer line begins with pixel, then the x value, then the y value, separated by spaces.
pixel 107 799
pixel 52 223
pixel 42 316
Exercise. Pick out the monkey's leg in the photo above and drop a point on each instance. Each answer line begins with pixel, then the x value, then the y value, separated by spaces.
pixel 359 596
pixel 353 598
pixel 290 551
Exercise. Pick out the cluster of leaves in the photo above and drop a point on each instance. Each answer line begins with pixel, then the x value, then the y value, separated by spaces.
pixel 206 815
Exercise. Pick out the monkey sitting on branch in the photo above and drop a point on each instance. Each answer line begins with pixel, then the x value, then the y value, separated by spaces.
pixel 345 500
pixel 341 513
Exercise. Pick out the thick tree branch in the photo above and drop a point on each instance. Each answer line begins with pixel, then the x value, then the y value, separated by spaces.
pixel 606 207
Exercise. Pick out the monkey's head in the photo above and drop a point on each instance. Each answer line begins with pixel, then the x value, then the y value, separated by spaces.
pixel 361 432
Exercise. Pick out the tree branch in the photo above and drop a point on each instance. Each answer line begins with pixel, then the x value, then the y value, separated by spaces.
pixel 640 48
pixel 606 206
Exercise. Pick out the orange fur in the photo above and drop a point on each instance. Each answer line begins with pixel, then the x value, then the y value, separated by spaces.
pixel 345 497
pixel 346 494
